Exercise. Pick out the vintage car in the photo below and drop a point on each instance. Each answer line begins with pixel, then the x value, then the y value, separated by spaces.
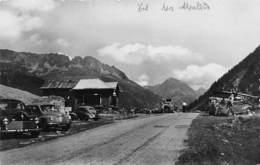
pixel 86 112
pixel 49 116
pixel 168 106
pixel 14 119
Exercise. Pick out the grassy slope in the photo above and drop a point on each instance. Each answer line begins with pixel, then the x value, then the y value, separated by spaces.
pixel 12 93
pixel 218 140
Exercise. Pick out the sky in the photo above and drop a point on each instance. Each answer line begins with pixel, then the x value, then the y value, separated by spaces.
pixel 149 40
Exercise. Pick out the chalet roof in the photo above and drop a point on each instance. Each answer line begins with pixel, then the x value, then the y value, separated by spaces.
pixel 79 84
pixel 62 84
pixel 95 84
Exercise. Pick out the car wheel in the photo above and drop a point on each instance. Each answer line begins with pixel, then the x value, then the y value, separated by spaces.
pixel 96 118
pixel 44 125
pixel 166 110
pixel 35 134
pixel 81 117
pixel 66 128
pixel 86 118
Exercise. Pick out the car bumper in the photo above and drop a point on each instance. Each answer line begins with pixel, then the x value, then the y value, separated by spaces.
pixel 58 125
pixel 19 130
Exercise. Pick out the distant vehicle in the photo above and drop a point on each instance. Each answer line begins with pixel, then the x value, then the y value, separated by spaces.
pixel 147 110
pixel 14 119
pixel 50 117
pixel 86 112
pixel 168 106
pixel 157 110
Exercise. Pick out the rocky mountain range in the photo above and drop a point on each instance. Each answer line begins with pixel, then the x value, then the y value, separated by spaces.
pixel 177 90
pixel 28 71
pixel 244 77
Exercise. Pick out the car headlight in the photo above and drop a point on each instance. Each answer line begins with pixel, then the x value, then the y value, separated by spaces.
pixel 5 121
pixel 37 120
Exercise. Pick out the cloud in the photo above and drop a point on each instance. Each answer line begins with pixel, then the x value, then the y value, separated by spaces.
pixel 12 25
pixel 29 23
pixel 62 42
pixel 200 76
pixel 138 53
pixel 143 80
pixel 36 39
pixel 20 16
pixel 9 25
pixel 32 5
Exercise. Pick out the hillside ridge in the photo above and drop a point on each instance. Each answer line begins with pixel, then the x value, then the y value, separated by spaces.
pixel 244 77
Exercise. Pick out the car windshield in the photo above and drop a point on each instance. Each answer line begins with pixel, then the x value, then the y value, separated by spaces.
pixel 49 108
pixel 9 105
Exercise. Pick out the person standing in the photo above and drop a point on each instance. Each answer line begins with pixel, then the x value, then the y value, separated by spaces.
pixel 184 107
pixel 230 103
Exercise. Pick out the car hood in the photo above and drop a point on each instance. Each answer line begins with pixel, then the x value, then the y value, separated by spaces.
pixel 10 114
pixel 58 114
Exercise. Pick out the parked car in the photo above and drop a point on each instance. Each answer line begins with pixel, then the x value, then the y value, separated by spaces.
pixel 86 112
pixel 157 110
pixel 14 119
pixel 49 116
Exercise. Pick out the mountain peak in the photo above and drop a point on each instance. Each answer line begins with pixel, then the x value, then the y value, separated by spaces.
pixel 91 59
pixel 175 89
pixel 171 79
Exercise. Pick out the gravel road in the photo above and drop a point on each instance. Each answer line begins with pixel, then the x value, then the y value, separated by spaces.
pixel 151 140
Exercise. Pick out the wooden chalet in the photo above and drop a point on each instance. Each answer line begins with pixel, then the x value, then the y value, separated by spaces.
pixel 93 92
